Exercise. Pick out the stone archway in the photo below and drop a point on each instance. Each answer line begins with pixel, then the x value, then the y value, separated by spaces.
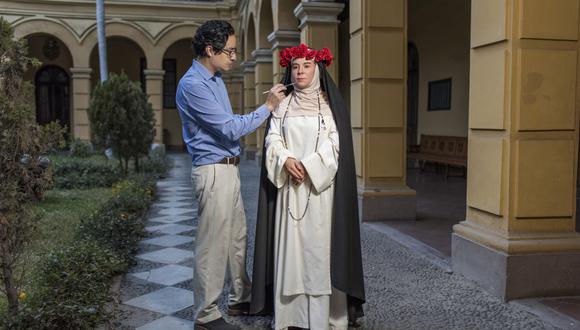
pixel 52 90
pixel 52 79
pixel 176 61
pixel 124 56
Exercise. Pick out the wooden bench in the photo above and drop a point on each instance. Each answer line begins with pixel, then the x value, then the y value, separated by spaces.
pixel 442 150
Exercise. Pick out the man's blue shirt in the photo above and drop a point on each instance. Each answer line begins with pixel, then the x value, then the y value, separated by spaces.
pixel 211 130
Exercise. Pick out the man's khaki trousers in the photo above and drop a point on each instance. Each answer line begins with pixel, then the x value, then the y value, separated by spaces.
pixel 220 243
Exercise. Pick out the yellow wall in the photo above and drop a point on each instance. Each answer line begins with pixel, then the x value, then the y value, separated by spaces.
pixel 123 55
pixel 182 52
pixel 440 31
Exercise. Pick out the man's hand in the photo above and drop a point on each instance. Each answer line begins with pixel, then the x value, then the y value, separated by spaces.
pixel 296 170
pixel 275 96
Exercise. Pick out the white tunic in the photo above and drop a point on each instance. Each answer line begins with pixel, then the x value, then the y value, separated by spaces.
pixel 302 248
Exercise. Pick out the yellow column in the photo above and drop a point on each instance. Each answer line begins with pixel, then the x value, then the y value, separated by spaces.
pixel 263 76
pixel 319 27
pixel 235 84
pixel 281 39
pixel 81 86
pixel 378 45
pixel 519 239
pixel 154 82
pixel 250 142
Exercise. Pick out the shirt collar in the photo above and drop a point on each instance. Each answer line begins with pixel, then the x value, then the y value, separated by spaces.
pixel 204 71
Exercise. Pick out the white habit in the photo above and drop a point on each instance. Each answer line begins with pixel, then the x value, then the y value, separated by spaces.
pixel 304 296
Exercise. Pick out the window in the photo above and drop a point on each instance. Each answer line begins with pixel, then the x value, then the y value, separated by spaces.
pixel 439 95
pixel 169 82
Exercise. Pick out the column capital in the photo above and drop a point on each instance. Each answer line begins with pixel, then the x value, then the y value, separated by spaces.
pixel 262 55
pixel 81 73
pixel 284 38
pixel 154 74
pixel 248 66
pixel 318 12
pixel 233 76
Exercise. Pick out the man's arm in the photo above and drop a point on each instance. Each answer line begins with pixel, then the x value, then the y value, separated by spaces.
pixel 198 103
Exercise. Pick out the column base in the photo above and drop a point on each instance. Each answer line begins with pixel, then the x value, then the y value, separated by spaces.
pixel 514 276
pixel 391 204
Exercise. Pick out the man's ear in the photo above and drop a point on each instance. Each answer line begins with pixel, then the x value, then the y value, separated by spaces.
pixel 209 51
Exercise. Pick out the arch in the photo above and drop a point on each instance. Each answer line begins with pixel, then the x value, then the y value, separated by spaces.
pixel 124 55
pixel 172 35
pixel 265 25
pixel 124 30
pixel 31 27
pixel 250 38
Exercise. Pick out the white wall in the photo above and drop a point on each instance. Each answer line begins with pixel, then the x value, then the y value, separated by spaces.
pixel 440 31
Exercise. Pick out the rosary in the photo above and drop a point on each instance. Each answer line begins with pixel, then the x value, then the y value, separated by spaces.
pixel 320 122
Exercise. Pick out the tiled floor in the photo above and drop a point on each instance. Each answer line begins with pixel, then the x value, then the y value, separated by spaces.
pixel 156 294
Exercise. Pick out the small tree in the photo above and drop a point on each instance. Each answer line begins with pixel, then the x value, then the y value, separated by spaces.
pixel 24 173
pixel 122 119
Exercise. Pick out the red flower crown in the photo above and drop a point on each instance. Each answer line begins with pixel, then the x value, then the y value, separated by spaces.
pixel 287 54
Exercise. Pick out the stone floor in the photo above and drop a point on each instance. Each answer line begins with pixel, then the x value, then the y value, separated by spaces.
pixel 404 289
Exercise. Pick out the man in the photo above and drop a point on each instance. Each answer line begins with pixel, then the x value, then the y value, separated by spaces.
pixel 212 132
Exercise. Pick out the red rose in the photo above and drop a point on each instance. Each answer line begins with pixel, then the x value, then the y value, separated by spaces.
pixel 302 51
pixel 324 56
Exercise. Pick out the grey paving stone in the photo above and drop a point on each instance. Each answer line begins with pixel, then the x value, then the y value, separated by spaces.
pixel 186 314
pixel 169 240
pixel 165 301
pixel 167 275
pixel 172 204
pixel 167 256
pixel 170 218
pixel 172 197
pixel 168 323
pixel 177 211
pixel 170 229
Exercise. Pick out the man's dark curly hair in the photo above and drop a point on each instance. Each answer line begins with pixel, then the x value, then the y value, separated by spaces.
pixel 214 33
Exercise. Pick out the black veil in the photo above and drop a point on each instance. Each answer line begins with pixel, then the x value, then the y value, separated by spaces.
pixel 346 264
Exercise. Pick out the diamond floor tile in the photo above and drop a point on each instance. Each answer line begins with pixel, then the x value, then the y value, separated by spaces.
pixel 167 256
pixel 167 275
pixel 171 218
pixel 169 240
pixel 177 211
pixel 166 301
pixel 171 229
pixel 168 323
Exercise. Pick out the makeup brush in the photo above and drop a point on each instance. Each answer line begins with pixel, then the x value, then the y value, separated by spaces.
pixel 268 91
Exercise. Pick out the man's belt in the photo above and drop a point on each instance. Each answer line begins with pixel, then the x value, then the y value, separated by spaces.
pixel 230 161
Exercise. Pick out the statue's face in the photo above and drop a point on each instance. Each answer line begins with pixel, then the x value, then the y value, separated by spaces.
pixel 302 72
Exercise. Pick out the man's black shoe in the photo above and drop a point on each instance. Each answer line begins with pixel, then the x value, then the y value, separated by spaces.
pixel 219 324
pixel 240 309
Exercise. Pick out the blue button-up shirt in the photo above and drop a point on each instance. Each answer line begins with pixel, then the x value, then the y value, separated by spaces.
pixel 211 130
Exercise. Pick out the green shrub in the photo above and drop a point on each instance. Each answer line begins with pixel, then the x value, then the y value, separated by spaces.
pixel 119 224
pixel 79 148
pixel 24 172
pixel 156 163
pixel 122 119
pixel 73 288
pixel 83 173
